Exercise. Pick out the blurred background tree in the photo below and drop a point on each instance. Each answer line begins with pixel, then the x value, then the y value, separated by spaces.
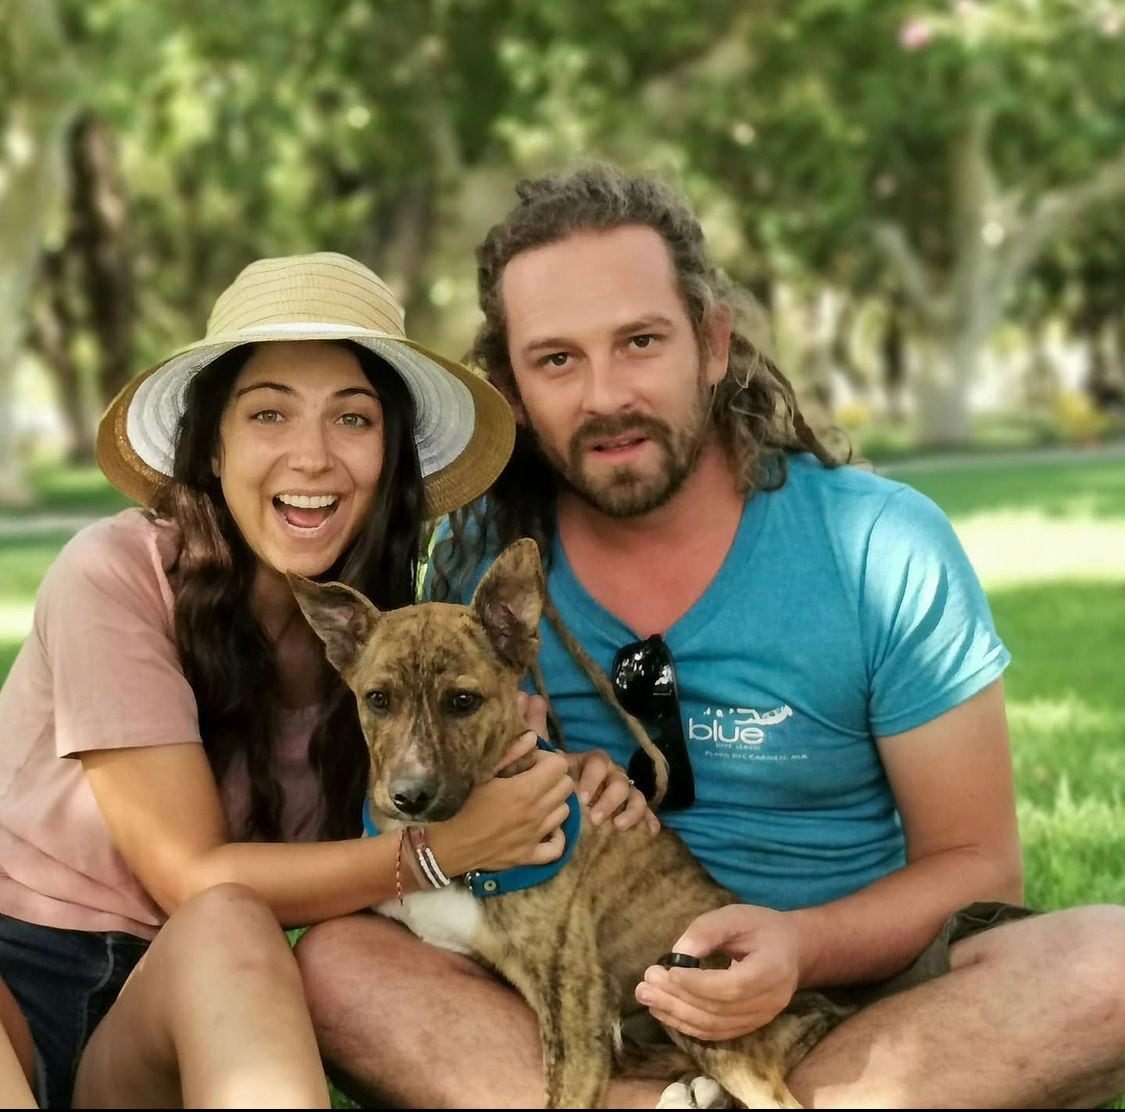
pixel 925 196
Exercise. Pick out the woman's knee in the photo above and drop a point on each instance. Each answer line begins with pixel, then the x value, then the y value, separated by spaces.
pixel 228 919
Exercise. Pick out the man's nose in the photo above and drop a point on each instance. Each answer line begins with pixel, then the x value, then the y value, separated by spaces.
pixel 606 387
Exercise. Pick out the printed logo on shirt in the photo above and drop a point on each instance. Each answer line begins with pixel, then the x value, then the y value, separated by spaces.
pixel 739 727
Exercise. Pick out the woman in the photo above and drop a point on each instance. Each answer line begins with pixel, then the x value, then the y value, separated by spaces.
pixel 180 770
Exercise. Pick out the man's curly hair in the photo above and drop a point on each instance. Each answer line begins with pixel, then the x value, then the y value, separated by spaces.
pixel 754 409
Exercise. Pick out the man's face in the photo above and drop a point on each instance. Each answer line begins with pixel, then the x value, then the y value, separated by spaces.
pixel 610 375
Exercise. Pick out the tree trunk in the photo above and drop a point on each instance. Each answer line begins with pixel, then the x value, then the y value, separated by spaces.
pixel 30 176
pixel 52 334
pixel 98 213
pixel 1041 381
pixel 893 347
pixel 941 398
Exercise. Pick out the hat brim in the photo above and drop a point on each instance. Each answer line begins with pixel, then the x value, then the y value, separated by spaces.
pixel 460 461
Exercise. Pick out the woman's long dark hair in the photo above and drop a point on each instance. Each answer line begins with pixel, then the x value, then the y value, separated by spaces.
pixel 227 657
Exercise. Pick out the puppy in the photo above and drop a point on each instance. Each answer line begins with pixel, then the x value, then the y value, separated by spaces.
pixel 436 687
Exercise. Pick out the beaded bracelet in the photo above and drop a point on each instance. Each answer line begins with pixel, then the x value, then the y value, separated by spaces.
pixel 424 855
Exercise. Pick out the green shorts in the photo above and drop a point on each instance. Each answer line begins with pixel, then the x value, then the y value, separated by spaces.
pixel 933 961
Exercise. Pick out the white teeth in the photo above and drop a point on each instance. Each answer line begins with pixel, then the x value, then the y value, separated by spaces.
pixel 309 501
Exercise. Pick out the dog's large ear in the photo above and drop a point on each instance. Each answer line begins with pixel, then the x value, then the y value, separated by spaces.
pixel 509 602
pixel 342 618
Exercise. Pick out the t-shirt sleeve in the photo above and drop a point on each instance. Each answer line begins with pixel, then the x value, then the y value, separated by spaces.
pixel 115 671
pixel 929 635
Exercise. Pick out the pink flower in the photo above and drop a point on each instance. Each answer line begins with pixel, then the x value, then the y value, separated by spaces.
pixel 915 34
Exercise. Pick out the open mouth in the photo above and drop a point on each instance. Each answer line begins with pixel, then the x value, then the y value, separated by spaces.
pixel 619 445
pixel 618 449
pixel 306 514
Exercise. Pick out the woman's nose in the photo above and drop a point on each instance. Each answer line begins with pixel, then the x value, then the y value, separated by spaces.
pixel 310 447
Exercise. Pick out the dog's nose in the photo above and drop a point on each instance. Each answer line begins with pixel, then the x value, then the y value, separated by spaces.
pixel 413 794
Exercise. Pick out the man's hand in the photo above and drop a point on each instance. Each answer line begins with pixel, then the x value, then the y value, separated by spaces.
pixel 725 1003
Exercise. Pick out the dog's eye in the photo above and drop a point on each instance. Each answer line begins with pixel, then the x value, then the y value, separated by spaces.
pixel 378 700
pixel 462 702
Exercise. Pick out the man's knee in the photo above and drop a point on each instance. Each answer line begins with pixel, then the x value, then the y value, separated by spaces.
pixel 1081 950
pixel 1093 964
pixel 367 955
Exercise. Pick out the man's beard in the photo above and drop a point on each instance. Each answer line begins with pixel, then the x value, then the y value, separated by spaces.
pixel 624 491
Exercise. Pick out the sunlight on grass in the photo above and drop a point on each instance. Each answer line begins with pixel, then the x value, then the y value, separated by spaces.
pixel 1073 850
pixel 1019 546
pixel 15 620
pixel 1068 740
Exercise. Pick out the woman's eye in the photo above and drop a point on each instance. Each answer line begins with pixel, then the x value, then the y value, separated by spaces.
pixel 266 417
pixel 356 421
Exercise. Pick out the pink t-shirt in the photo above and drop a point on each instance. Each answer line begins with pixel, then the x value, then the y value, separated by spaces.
pixel 100 670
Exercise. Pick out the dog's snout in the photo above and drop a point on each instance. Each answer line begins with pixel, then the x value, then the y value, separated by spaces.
pixel 411 795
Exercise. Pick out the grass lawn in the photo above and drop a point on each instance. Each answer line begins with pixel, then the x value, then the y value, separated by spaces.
pixel 1048 540
pixel 1047 537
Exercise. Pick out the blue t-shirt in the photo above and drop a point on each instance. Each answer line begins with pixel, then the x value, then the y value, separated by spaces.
pixel 845 610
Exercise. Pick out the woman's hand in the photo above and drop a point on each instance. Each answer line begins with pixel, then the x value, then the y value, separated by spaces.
pixel 510 820
pixel 513 820
pixel 607 790
pixel 725 1003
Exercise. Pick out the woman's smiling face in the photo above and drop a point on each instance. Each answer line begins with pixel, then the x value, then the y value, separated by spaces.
pixel 301 451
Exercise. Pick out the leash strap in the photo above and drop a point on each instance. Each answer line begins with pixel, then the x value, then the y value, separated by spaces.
pixel 485 884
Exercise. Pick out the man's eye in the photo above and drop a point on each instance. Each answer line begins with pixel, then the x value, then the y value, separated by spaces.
pixel 644 340
pixel 266 417
pixel 378 700
pixel 555 359
pixel 356 421
pixel 462 702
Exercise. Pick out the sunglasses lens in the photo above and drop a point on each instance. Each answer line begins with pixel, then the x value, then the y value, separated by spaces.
pixel 644 679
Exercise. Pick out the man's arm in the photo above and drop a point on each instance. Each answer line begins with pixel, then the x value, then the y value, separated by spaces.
pixel 952 783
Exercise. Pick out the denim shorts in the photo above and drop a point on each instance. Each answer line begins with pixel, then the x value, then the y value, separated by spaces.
pixel 64 982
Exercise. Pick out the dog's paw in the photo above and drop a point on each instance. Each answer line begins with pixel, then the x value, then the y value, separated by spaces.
pixel 694 1092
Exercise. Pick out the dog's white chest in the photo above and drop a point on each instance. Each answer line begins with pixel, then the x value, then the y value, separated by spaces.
pixel 449 917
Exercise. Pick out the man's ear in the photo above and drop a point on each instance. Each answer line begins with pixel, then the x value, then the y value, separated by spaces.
pixel 342 618
pixel 717 327
pixel 509 602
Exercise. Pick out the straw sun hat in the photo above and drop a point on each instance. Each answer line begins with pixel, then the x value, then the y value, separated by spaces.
pixel 463 427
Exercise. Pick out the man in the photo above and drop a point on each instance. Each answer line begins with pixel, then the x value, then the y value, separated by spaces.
pixel 839 755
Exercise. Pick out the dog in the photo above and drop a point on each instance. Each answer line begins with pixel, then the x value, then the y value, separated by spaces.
pixel 436 687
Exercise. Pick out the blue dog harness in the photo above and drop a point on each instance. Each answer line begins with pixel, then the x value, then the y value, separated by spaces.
pixel 484 884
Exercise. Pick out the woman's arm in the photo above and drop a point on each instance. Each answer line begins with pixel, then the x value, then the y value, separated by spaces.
pixel 165 815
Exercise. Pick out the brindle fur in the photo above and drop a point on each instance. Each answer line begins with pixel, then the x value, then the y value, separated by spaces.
pixel 575 946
